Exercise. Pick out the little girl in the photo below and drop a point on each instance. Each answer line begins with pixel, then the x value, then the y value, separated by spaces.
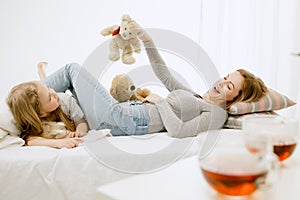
pixel 44 107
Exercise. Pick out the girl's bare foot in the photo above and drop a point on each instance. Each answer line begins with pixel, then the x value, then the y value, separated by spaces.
pixel 41 70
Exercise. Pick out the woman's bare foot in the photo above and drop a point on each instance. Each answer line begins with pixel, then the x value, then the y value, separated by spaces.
pixel 41 70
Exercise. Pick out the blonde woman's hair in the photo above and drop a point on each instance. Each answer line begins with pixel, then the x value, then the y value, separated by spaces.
pixel 23 102
pixel 252 89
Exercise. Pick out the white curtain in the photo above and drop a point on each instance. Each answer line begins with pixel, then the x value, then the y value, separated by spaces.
pixel 258 35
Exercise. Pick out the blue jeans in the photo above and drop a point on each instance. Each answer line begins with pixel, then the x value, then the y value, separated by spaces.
pixel 100 108
pixel 131 117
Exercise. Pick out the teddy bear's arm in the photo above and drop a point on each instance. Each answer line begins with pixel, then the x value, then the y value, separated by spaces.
pixel 109 30
pixel 135 43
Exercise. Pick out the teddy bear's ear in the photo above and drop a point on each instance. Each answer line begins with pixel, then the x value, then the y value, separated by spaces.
pixel 112 91
pixel 126 18
pixel 114 82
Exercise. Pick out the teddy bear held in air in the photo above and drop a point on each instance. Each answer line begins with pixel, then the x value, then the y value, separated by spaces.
pixel 124 40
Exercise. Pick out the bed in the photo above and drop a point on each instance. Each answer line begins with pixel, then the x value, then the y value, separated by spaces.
pixel 37 172
pixel 47 173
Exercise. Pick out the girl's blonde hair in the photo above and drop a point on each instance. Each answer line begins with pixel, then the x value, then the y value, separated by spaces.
pixel 253 89
pixel 23 102
pixel 54 130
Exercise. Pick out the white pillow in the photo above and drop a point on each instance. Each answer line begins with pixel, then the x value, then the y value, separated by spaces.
pixel 235 121
pixel 7 123
pixel 9 140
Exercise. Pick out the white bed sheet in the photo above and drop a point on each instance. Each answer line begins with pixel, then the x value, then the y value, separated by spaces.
pixel 61 174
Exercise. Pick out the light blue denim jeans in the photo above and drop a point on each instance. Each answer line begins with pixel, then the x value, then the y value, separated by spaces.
pixel 100 108
pixel 131 117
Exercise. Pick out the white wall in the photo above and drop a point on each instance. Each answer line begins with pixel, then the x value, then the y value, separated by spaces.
pixel 295 61
pixel 63 31
pixel 257 35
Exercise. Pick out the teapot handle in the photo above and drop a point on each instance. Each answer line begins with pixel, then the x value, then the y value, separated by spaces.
pixel 273 166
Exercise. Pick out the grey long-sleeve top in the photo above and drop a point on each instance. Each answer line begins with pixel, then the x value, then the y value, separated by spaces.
pixel 182 114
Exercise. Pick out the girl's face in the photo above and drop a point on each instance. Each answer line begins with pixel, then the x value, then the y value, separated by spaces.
pixel 48 99
pixel 227 88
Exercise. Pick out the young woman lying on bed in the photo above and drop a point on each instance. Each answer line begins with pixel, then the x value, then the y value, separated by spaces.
pixel 183 113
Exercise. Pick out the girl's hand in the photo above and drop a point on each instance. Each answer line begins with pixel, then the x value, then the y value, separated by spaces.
pixel 152 98
pixel 76 134
pixel 67 142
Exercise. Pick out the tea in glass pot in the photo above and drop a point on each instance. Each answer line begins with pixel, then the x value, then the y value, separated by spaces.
pixel 231 169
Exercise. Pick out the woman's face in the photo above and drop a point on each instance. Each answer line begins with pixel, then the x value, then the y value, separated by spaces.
pixel 48 99
pixel 227 88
